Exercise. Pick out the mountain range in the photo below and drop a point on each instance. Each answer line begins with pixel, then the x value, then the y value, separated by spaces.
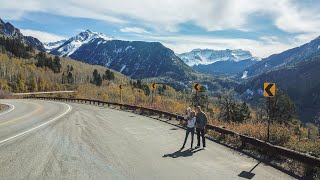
pixel 210 56
pixel 8 30
pixel 294 71
pixel 136 59
pixel 227 68
pixel 150 61
pixel 219 62
pixel 284 59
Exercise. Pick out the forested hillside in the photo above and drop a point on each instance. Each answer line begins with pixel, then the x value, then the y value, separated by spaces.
pixel 24 69
pixel 300 81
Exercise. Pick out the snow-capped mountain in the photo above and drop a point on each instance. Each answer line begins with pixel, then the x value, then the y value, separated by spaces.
pixel 287 58
pixel 9 31
pixel 209 56
pixel 137 59
pixel 74 43
pixel 219 62
pixel 52 45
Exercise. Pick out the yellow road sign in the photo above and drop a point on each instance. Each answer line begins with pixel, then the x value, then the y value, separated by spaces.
pixel 269 89
pixel 153 85
pixel 196 86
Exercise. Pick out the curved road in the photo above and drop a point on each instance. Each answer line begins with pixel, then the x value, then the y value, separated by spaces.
pixel 54 140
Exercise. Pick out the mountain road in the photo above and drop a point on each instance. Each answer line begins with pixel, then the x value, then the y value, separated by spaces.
pixel 56 140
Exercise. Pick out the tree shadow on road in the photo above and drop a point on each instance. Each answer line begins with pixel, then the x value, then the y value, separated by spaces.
pixel 179 153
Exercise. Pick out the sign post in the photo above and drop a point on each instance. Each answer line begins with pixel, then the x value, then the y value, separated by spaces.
pixel 120 87
pixel 197 88
pixel 269 91
pixel 153 86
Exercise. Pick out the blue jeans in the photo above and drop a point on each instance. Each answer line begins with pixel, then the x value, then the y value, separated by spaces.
pixel 187 134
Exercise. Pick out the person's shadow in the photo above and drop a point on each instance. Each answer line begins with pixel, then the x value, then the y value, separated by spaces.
pixel 180 153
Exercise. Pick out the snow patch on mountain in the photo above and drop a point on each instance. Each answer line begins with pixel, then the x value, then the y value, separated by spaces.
pixel 208 56
pixel 119 50
pixel 129 47
pixel 123 67
pixel 69 47
pixel 244 75
pixel 52 45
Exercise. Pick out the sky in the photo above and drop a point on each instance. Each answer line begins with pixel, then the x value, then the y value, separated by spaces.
pixel 264 27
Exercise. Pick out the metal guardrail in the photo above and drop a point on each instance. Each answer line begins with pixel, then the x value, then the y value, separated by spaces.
pixel 47 92
pixel 302 157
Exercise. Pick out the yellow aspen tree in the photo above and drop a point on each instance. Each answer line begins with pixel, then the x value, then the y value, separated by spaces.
pixel 21 83
pixel 34 85
pixel 42 84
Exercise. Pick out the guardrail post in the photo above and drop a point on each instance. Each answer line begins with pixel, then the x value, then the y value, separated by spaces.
pixel 243 144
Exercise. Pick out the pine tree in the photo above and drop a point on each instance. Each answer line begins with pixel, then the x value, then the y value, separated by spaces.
pixel 282 108
pixel 139 84
pixel 112 77
pixel 146 89
pixel 97 79
pixel 200 98
pixel 70 78
pixel 240 112
pixel 226 104
pixel 245 112
pixel 57 65
pixel 108 75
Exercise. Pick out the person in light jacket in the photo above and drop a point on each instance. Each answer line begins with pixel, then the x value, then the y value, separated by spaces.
pixel 190 127
pixel 201 123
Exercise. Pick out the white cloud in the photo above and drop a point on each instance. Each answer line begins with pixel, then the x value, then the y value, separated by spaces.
pixel 134 30
pixel 42 36
pixel 165 16
pixel 263 47
pixel 288 15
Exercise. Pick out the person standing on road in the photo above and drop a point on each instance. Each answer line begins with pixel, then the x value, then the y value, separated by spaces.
pixel 190 127
pixel 201 122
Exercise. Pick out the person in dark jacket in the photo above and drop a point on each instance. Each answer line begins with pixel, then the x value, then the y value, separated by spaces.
pixel 201 122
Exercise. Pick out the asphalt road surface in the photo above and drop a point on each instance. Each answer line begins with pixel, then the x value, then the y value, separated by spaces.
pixel 55 140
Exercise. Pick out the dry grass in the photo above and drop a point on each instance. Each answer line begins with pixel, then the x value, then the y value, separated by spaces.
pixel 287 135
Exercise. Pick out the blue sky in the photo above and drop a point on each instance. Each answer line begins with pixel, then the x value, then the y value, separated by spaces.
pixel 262 27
